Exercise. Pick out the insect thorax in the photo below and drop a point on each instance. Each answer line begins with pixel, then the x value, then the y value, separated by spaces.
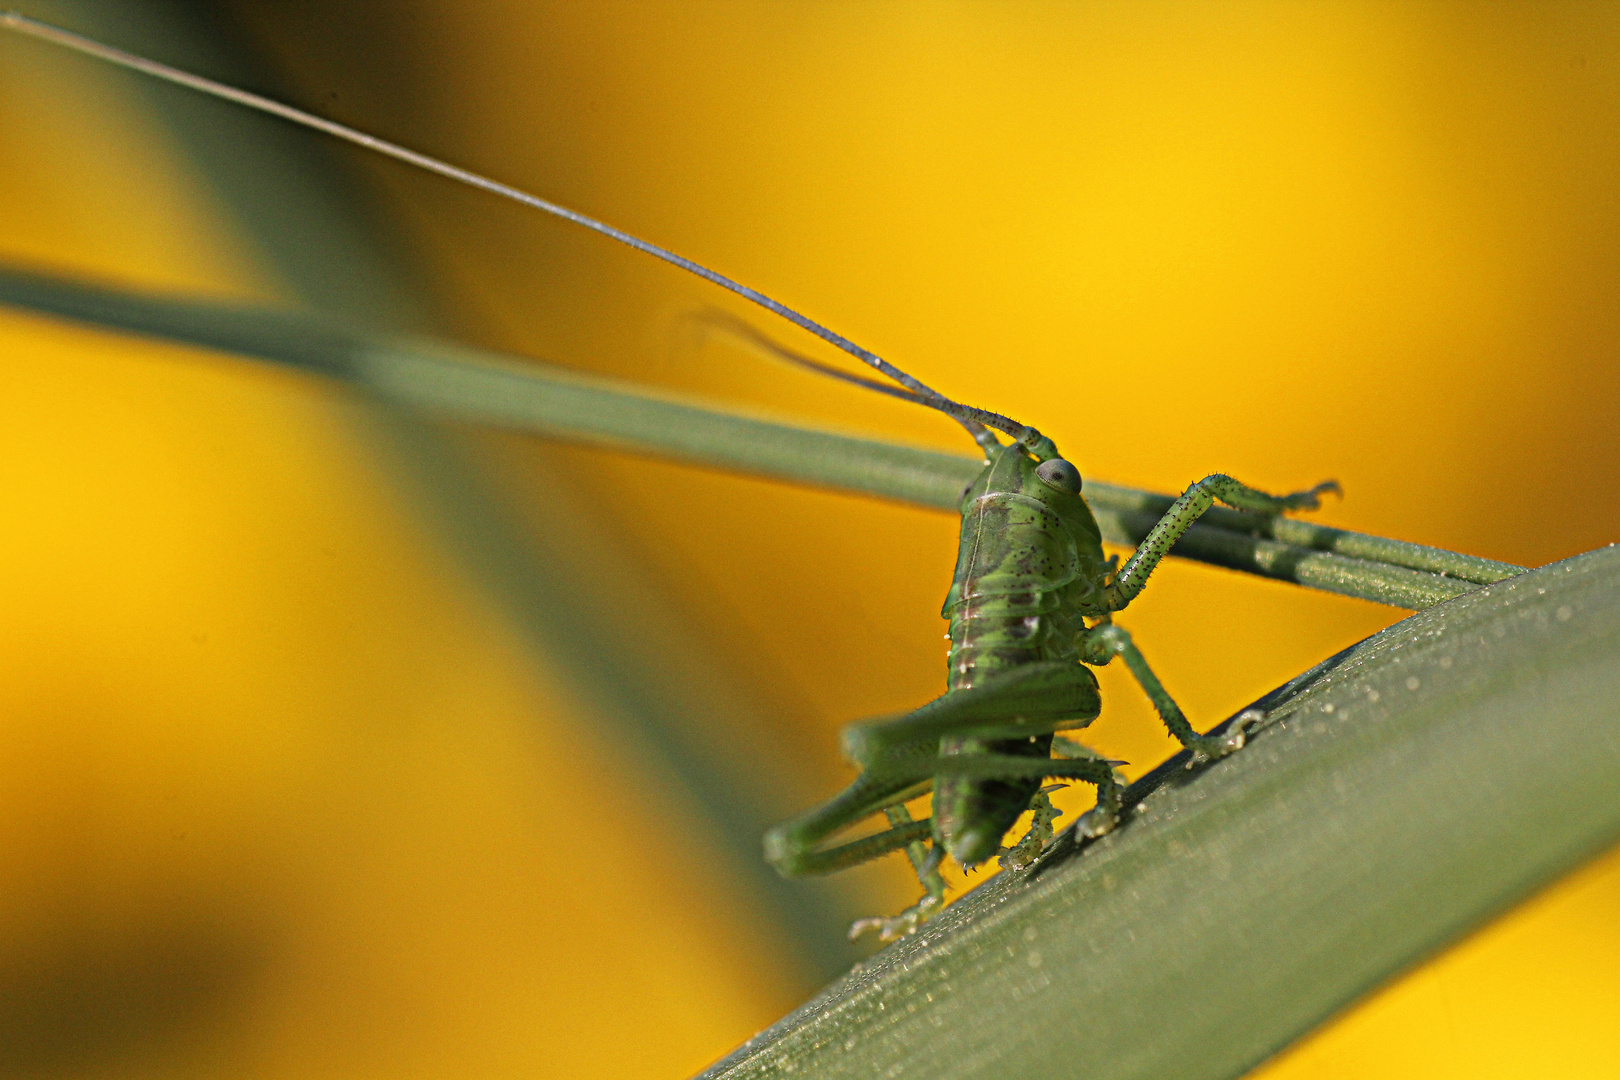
pixel 1029 568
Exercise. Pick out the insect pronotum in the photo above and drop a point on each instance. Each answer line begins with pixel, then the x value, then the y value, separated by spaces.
pixel 1030 607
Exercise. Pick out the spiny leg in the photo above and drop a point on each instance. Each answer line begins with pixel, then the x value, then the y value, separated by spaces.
pixel 1099 819
pixel 900 757
pixel 792 847
pixel 926 864
pixel 1022 855
pixel 1188 509
pixel 1027 851
pixel 1102 643
pixel 1089 767
pixel 1029 700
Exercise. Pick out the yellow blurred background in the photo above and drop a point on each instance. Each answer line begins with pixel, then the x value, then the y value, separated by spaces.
pixel 340 744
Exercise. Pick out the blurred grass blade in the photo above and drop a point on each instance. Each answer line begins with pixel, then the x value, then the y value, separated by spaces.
pixel 1400 794
pixel 650 686
pixel 538 399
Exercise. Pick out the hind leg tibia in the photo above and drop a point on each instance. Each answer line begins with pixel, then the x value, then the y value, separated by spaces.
pixel 1022 855
pixel 793 847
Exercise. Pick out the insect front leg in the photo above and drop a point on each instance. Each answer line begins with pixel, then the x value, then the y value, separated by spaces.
pixel 1189 508
pixel 1099 646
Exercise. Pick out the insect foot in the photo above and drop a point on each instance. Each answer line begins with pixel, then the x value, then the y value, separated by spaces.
pixel 1311 500
pixel 1022 855
pixel 894 927
pixel 1212 747
pixel 1097 822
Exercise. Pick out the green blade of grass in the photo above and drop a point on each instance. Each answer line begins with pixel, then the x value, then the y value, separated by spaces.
pixel 576 598
pixel 539 399
pixel 1398 795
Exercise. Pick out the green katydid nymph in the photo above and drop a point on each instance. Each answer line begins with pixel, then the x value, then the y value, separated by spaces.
pixel 1030 610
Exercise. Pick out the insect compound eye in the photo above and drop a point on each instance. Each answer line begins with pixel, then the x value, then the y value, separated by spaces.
pixel 1059 475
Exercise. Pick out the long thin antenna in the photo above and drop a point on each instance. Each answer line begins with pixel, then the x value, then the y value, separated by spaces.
pixel 749 334
pixel 12 20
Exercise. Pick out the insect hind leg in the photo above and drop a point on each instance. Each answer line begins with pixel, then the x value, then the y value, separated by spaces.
pixel 794 847
pixel 1082 764
pixel 1088 767
pixel 1034 699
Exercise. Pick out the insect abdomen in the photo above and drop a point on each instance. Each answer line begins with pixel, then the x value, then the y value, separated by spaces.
pixel 1010 603
pixel 998 633
pixel 1015 601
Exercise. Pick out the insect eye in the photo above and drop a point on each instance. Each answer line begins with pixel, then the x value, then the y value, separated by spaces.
pixel 1059 475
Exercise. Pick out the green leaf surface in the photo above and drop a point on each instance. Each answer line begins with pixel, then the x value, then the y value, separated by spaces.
pixel 1398 795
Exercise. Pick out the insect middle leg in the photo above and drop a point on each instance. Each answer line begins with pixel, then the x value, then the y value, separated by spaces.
pixel 1103 642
